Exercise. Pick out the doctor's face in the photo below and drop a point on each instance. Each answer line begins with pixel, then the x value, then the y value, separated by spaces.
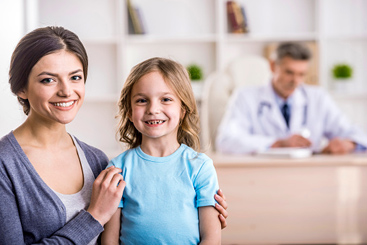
pixel 288 74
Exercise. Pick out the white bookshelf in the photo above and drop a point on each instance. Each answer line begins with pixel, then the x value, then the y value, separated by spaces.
pixel 196 31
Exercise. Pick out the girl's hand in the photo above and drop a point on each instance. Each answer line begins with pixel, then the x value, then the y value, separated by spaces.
pixel 106 195
pixel 222 208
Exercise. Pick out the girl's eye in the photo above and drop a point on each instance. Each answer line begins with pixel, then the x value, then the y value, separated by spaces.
pixel 76 78
pixel 166 99
pixel 141 101
pixel 47 80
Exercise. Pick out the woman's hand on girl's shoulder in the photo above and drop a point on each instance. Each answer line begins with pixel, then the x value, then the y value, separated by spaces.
pixel 222 208
pixel 106 195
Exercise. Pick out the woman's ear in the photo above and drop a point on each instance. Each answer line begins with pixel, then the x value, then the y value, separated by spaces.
pixel 22 94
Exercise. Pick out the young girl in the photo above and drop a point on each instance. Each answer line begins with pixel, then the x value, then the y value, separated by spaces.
pixel 168 198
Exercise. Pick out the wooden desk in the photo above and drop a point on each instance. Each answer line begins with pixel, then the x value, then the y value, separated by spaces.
pixel 321 199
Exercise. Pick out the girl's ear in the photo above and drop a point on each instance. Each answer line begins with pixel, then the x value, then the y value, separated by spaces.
pixel 183 112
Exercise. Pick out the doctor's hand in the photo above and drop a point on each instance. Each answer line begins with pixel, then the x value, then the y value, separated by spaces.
pixel 295 140
pixel 339 146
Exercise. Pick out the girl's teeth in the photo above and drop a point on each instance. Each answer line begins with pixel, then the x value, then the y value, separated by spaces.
pixel 155 122
pixel 64 104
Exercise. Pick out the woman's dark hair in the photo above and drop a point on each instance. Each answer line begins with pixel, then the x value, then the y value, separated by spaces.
pixel 33 46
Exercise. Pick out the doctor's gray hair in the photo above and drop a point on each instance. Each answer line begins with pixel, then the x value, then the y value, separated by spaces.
pixel 296 51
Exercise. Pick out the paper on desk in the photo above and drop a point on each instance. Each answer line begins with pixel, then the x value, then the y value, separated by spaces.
pixel 286 152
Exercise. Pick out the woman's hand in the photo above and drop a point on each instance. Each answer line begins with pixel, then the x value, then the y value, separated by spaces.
pixel 106 195
pixel 222 208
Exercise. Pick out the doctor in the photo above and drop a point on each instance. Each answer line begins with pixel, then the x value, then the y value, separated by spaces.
pixel 287 113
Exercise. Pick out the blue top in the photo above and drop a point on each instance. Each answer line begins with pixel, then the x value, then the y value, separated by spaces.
pixel 30 212
pixel 162 195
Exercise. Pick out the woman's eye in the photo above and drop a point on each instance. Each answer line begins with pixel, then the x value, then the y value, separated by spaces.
pixel 76 78
pixel 47 80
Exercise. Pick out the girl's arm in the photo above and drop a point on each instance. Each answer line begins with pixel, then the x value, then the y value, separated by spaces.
pixel 210 226
pixel 111 233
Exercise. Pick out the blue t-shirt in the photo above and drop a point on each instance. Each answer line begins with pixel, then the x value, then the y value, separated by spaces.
pixel 162 195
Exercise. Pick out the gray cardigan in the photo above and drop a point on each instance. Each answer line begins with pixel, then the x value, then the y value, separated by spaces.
pixel 30 212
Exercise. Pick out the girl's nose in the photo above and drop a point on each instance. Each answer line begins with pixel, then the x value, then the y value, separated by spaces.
pixel 153 108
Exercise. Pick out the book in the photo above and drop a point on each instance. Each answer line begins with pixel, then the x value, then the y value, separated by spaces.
pixel 237 21
pixel 245 21
pixel 135 19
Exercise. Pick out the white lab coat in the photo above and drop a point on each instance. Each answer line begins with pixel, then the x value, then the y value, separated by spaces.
pixel 253 120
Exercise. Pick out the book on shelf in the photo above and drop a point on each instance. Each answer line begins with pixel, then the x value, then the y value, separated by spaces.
pixel 135 22
pixel 236 18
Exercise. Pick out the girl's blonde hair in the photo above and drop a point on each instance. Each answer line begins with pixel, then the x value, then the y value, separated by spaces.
pixel 176 76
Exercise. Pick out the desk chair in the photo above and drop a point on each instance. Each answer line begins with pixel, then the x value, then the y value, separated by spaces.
pixel 218 87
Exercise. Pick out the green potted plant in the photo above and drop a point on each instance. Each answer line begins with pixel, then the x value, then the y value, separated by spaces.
pixel 342 71
pixel 196 75
pixel 342 74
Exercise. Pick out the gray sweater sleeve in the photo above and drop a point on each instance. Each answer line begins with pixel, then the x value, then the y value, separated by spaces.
pixel 30 212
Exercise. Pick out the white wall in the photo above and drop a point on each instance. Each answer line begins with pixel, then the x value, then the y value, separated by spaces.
pixel 11 27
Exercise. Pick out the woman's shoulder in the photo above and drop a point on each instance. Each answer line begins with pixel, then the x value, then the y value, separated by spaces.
pixel 7 145
pixel 97 159
pixel 90 149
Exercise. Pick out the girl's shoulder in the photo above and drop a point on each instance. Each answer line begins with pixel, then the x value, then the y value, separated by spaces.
pixel 195 157
pixel 121 159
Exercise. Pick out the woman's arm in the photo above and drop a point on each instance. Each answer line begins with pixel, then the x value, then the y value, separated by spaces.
pixel 111 233
pixel 210 227
pixel 221 208
pixel 79 230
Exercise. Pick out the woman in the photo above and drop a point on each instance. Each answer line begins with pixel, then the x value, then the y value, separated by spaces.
pixel 46 175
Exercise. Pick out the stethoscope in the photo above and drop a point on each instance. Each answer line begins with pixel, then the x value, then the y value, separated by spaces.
pixel 268 105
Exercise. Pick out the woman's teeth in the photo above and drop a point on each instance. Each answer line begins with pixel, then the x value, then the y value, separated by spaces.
pixel 64 104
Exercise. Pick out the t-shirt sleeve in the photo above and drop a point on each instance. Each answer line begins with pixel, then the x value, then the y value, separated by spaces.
pixel 206 185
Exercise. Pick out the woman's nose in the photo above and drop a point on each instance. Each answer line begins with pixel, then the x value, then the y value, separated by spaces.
pixel 64 89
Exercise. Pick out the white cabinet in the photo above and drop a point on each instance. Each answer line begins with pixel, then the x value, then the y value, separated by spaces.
pixel 195 31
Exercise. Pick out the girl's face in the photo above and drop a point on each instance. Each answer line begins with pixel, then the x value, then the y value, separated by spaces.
pixel 55 89
pixel 156 109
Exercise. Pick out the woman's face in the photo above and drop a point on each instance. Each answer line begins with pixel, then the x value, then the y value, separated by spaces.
pixel 55 89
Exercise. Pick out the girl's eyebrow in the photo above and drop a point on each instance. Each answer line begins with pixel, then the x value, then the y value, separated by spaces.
pixel 142 94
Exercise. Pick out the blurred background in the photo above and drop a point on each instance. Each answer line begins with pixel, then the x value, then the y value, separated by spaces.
pixel 119 34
